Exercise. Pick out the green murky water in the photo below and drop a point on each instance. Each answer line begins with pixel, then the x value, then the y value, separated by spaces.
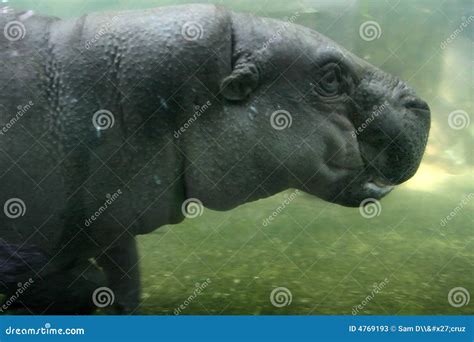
pixel 328 257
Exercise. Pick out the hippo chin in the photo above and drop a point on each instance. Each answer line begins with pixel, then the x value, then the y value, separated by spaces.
pixel 111 121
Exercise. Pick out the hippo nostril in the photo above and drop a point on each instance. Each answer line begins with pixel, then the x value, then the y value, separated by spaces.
pixel 416 104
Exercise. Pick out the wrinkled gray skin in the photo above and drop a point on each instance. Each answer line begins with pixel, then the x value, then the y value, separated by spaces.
pixel 143 70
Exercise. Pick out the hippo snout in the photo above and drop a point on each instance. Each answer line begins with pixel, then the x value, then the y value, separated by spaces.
pixel 393 148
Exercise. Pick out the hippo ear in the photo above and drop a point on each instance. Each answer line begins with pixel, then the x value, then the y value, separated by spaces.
pixel 243 80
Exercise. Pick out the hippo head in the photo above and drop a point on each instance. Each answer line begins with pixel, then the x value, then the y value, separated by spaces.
pixel 299 111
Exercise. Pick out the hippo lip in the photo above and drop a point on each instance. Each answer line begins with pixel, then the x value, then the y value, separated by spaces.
pixel 379 186
pixel 372 185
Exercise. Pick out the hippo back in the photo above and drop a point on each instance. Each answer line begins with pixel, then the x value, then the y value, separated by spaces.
pixel 80 184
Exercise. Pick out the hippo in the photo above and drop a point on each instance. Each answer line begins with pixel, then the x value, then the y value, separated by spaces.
pixel 114 124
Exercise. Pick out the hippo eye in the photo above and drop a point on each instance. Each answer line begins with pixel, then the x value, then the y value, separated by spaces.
pixel 330 83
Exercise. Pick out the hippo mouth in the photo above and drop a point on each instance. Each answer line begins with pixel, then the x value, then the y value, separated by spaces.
pixel 362 176
pixel 358 178
pixel 373 183
pixel 359 183
pixel 386 152
pixel 355 186
pixel 379 186
pixel 356 182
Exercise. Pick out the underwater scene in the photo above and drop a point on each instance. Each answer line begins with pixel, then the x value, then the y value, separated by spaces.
pixel 293 253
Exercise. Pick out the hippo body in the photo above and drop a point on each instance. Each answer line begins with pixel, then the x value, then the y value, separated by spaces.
pixel 97 153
